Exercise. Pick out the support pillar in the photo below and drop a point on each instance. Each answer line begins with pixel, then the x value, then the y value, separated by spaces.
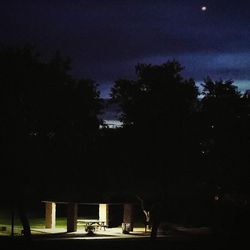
pixel 72 217
pixel 104 213
pixel 50 215
pixel 128 222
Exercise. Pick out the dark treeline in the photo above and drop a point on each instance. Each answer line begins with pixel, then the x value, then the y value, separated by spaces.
pixel 48 122
pixel 178 147
pixel 190 149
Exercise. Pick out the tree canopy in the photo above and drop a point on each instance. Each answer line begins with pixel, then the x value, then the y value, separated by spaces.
pixel 183 144
pixel 173 140
pixel 48 118
pixel 224 115
pixel 156 112
pixel 160 95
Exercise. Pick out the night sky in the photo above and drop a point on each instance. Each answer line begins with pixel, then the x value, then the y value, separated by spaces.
pixel 105 39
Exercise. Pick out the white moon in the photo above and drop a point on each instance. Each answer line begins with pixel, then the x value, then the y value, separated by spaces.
pixel 204 8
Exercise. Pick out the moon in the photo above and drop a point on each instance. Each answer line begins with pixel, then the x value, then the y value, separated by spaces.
pixel 204 8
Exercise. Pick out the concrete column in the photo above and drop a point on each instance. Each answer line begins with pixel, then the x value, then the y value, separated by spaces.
pixel 50 215
pixel 104 213
pixel 128 218
pixel 72 217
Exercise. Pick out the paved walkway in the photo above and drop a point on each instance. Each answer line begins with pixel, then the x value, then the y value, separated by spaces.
pixel 116 233
pixel 109 233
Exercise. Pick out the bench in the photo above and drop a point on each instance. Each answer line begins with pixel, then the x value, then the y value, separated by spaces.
pixel 92 225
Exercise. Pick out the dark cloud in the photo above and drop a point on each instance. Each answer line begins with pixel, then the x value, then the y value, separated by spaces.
pixel 106 38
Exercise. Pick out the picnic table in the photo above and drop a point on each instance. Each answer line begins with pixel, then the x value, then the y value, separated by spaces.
pixel 92 224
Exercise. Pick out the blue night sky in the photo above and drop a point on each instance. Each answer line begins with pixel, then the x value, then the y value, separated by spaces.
pixel 106 38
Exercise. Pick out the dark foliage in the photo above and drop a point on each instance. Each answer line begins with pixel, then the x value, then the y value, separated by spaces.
pixel 184 148
pixel 48 121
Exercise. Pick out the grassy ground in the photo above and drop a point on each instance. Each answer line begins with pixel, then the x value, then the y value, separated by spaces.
pixel 36 222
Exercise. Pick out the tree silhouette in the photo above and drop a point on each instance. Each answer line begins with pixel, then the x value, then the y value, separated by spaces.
pixel 157 106
pixel 159 94
pixel 221 109
pixel 156 109
pixel 48 119
pixel 224 138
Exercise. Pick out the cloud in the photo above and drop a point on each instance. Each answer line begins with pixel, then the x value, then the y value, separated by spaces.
pixel 106 38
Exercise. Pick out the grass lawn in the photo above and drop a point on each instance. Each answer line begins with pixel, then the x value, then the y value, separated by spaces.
pixel 35 223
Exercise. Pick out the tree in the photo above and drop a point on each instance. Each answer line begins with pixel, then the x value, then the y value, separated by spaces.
pixel 220 107
pixel 156 112
pixel 159 96
pixel 48 120
pixel 157 107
